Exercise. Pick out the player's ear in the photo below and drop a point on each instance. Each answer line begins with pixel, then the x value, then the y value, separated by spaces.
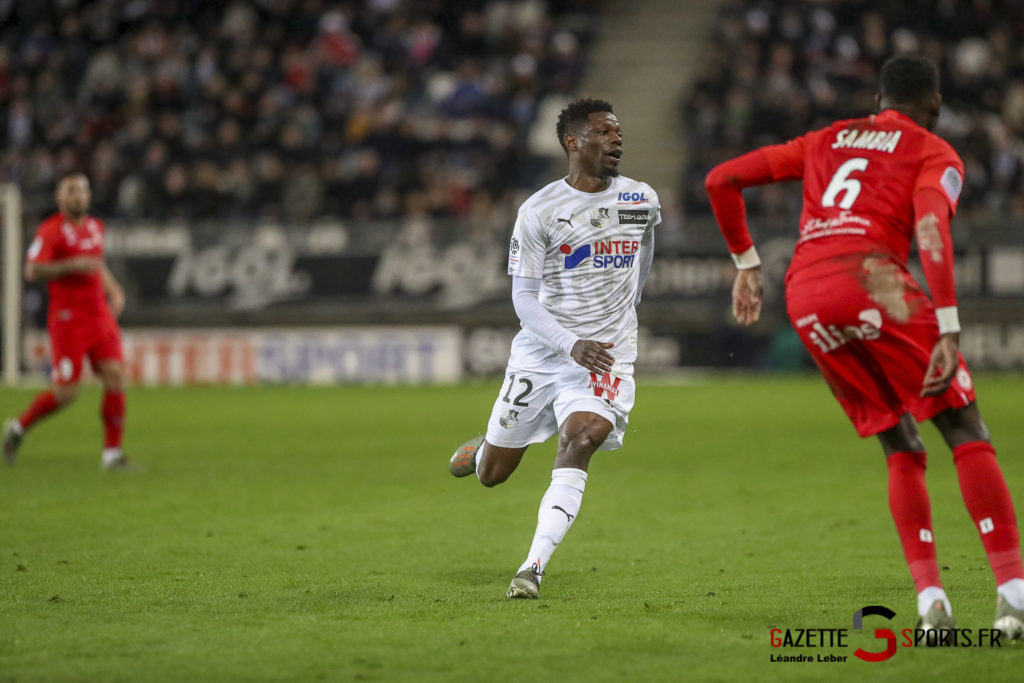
pixel 571 142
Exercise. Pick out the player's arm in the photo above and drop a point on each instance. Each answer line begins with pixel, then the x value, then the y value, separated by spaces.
pixel 592 355
pixel 42 271
pixel 932 215
pixel 43 261
pixel 644 260
pixel 724 185
pixel 526 266
pixel 113 289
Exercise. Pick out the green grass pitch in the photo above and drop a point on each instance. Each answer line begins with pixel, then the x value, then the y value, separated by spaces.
pixel 315 534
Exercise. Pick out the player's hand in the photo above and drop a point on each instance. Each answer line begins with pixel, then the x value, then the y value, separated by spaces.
pixel 747 294
pixel 593 355
pixel 943 365
pixel 115 299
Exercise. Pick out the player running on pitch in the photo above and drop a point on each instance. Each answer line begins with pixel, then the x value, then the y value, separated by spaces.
pixel 579 256
pixel 85 299
pixel 889 355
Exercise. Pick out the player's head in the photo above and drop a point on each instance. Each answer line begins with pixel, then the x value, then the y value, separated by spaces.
pixel 590 135
pixel 910 85
pixel 73 195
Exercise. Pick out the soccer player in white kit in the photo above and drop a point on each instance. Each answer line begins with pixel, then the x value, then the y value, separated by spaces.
pixel 580 253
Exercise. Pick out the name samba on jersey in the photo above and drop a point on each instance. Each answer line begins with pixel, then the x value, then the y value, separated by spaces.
pixel 876 140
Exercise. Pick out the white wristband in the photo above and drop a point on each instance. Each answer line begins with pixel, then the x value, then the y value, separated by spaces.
pixel 747 260
pixel 949 320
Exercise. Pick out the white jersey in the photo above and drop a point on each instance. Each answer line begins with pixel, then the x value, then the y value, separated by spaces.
pixel 584 247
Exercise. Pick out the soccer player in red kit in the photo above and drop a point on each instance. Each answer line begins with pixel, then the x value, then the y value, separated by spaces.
pixel 85 299
pixel 888 353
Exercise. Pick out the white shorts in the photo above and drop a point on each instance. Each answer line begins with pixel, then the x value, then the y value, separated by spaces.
pixel 543 387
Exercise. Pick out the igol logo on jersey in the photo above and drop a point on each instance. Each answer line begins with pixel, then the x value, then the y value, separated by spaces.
pixel 632 197
pixel 607 254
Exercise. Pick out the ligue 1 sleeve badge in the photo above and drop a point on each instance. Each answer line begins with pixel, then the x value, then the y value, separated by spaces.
pixel 513 253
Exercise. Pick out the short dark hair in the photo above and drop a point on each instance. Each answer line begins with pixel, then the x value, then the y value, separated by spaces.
pixel 572 119
pixel 909 78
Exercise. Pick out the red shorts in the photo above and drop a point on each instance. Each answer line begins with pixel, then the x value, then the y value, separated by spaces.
pixel 871 336
pixel 73 337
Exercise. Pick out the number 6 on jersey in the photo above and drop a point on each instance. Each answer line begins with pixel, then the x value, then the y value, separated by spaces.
pixel 842 182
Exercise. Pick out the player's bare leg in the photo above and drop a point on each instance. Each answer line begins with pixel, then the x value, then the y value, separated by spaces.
pixel 911 511
pixel 989 503
pixel 491 464
pixel 112 409
pixel 579 436
pixel 495 464
pixel 43 405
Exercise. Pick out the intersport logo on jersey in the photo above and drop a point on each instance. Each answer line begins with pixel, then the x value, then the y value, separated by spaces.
pixel 606 253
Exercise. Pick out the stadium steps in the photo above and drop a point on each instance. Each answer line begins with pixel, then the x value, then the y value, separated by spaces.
pixel 642 62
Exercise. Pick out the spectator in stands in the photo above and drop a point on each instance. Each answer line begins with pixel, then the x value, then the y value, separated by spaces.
pixel 776 69
pixel 281 110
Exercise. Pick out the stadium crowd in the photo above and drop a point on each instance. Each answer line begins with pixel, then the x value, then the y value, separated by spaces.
pixel 777 69
pixel 283 109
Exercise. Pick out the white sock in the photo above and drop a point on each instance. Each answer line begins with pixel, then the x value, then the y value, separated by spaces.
pixel 479 457
pixel 111 455
pixel 928 597
pixel 16 426
pixel 1013 592
pixel 558 509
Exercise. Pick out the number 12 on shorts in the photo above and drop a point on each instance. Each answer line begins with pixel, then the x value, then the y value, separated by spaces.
pixel 519 400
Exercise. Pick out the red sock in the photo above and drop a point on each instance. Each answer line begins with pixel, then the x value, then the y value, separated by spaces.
pixel 990 506
pixel 112 412
pixel 42 405
pixel 912 512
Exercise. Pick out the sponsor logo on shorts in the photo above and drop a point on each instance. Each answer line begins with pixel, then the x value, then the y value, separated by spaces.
pixel 963 378
pixel 807 320
pixel 634 216
pixel 606 384
pixel 64 370
pixel 828 338
pixel 509 419
pixel 607 254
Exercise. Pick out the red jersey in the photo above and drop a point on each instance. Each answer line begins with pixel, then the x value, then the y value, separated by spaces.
pixel 867 184
pixel 58 239
pixel 860 177
pixel 870 184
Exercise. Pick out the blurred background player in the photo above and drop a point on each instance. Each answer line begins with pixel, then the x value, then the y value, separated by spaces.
pixel 580 253
pixel 85 300
pixel 888 353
